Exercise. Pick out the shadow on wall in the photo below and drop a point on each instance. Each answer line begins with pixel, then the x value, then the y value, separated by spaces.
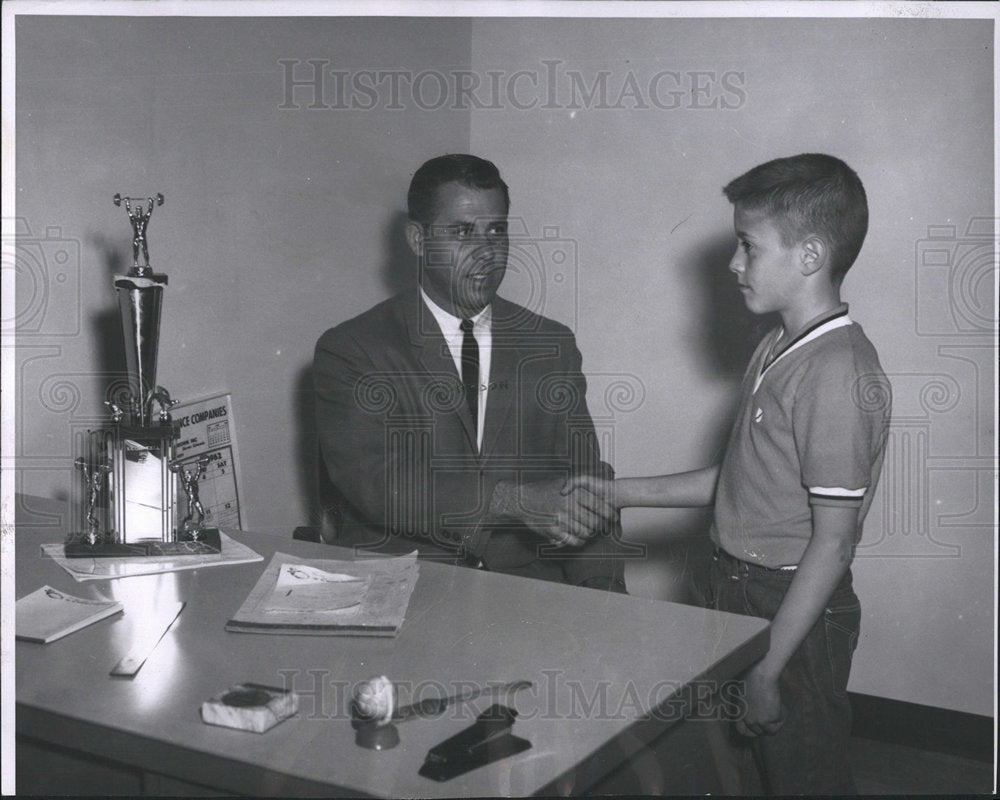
pixel 396 272
pixel 399 265
pixel 724 336
pixel 106 323
pixel 306 444
pixel 727 332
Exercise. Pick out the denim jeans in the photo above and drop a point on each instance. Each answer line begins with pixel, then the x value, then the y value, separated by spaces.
pixel 809 753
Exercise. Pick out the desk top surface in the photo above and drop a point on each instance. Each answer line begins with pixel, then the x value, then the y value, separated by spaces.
pixel 608 671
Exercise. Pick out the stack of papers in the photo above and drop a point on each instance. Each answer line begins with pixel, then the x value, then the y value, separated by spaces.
pixel 328 597
pixel 92 569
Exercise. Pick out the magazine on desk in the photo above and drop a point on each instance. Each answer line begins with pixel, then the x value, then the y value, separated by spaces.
pixel 326 597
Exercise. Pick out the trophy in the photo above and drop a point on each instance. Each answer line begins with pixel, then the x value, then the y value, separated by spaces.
pixel 130 472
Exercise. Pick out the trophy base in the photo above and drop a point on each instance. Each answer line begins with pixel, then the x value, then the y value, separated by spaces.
pixel 77 546
pixel 206 536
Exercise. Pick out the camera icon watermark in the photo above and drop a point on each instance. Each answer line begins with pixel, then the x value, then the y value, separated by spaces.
pixel 956 279
pixel 46 271
pixel 543 273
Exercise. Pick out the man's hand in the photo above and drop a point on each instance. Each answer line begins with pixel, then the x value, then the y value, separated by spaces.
pixel 764 711
pixel 563 519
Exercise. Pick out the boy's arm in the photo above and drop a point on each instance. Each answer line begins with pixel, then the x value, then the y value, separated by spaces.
pixel 680 490
pixel 826 559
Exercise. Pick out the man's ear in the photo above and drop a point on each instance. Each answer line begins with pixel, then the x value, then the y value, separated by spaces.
pixel 815 254
pixel 415 237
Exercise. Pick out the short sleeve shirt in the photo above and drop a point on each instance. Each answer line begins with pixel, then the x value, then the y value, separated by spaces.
pixel 810 430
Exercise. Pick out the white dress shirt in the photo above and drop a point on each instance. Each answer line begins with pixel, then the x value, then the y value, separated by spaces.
pixel 482 331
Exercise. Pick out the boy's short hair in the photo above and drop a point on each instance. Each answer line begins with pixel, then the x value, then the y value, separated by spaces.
pixel 809 193
pixel 471 171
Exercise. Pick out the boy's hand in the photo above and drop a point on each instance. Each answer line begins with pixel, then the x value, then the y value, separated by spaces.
pixel 764 710
pixel 826 559
pixel 594 493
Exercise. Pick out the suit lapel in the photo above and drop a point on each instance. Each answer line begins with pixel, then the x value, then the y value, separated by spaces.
pixel 434 355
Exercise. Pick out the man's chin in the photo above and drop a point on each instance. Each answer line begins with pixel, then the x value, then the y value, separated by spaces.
pixel 475 301
pixel 470 310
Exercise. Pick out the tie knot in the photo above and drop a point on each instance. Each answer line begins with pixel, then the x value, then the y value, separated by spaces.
pixel 466 325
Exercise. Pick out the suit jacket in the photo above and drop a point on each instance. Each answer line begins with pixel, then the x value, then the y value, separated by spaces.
pixel 399 447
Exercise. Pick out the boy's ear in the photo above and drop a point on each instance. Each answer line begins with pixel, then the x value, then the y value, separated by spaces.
pixel 815 254
pixel 415 237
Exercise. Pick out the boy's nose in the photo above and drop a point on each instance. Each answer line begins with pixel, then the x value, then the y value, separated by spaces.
pixel 736 263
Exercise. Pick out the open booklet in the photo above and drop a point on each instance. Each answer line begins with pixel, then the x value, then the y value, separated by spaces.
pixel 325 597
pixel 48 614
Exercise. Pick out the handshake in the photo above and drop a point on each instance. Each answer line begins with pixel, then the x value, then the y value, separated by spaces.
pixel 565 512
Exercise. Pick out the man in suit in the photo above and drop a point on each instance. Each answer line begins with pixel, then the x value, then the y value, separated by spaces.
pixel 449 418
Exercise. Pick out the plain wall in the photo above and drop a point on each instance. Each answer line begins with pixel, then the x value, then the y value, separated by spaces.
pixel 280 222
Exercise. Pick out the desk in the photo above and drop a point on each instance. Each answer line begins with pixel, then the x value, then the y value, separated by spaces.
pixel 613 674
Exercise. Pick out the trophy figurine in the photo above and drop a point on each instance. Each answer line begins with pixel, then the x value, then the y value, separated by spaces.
pixel 134 452
pixel 93 480
pixel 191 528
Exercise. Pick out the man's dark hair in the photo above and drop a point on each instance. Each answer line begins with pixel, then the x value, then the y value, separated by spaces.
pixel 471 171
pixel 807 194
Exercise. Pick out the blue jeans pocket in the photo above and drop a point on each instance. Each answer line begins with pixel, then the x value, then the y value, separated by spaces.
pixel 842 624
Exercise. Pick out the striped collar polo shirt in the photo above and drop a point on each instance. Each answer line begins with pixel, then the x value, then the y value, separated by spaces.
pixel 810 429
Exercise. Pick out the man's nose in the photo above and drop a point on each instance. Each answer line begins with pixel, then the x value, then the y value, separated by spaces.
pixel 490 243
pixel 494 238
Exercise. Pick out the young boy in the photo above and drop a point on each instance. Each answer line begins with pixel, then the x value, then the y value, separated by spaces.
pixel 799 470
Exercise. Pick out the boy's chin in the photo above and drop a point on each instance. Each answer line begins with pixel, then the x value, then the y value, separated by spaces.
pixel 755 306
pixel 752 307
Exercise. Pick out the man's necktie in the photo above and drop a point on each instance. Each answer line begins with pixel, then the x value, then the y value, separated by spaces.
pixel 470 370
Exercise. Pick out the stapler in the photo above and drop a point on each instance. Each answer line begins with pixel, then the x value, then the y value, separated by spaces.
pixel 487 740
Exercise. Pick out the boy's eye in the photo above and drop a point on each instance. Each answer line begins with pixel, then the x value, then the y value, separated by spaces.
pixel 745 246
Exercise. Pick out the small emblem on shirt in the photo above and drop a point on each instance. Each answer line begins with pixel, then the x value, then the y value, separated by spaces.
pixel 758 415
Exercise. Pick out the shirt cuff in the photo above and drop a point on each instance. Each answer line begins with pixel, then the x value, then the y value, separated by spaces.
pixel 836 496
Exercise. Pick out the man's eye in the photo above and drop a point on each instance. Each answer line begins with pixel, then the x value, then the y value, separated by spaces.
pixel 463 231
pixel 498 229
pixel 448 232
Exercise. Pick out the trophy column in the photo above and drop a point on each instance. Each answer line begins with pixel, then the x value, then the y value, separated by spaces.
pixel 141 445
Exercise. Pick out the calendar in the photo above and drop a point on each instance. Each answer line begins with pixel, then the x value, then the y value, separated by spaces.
pixel 207 429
